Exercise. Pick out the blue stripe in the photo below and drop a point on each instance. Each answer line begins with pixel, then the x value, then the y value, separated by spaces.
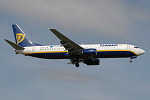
pixel 115 54
pixel 101 54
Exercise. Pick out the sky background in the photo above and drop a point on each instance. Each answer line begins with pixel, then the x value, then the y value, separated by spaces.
pixel 83 21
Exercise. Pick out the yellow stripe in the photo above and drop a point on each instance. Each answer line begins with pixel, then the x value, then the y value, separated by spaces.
pixel 46 52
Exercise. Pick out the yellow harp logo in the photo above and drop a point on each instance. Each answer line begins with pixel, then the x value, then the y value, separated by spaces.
pixel 19 37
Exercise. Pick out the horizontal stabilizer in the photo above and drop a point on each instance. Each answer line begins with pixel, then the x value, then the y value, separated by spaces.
pixel 15 46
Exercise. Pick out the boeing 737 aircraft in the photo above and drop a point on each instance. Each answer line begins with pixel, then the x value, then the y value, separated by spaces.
pixel 85 53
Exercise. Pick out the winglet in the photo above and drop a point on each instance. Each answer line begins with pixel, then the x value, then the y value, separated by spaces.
pixel 15 46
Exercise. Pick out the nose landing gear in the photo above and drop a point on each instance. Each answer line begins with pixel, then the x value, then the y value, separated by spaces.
pixel 130 60
pixel 133 57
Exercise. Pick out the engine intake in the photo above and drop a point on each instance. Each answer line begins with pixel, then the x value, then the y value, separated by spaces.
pixel 89 52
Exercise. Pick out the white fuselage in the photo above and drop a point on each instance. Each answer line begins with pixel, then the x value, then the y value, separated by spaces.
pixel 103 50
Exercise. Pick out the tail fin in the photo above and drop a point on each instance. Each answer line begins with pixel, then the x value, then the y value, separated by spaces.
pixel 20 37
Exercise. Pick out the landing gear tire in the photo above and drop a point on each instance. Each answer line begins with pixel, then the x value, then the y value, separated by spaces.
pixel 130 60
pixel 77 64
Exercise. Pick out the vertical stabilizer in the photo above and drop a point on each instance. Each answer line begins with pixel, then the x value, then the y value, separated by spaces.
pixel 20 37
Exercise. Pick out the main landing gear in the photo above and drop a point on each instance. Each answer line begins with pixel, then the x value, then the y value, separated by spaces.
pixel 77 64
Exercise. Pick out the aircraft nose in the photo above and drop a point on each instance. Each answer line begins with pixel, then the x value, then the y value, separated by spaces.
pixel 142 51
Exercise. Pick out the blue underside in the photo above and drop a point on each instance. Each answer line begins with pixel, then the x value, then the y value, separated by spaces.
pixel 102 54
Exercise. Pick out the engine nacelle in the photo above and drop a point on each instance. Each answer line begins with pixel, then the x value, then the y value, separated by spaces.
pixel 89 52
pixel 92 61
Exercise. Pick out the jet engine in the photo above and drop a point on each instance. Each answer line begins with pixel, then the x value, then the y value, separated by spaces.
pixel 89 52
pixel 95 61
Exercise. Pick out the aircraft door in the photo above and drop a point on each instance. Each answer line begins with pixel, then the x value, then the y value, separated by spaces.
pixel 33 49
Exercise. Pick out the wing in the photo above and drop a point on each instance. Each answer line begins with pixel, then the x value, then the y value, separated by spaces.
pixel 68 44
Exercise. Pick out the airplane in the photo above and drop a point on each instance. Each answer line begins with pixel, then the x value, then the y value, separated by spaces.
pixel 86 53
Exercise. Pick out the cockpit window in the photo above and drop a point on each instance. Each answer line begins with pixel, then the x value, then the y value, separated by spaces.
pixel 136 47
